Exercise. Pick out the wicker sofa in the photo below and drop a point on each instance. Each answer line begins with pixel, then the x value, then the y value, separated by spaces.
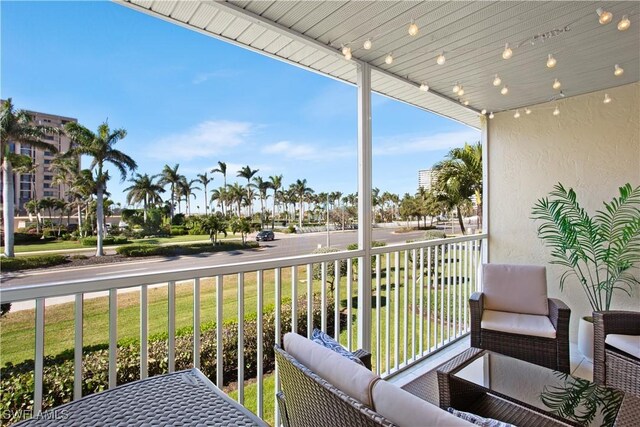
pixel 322 388
pixel 616 350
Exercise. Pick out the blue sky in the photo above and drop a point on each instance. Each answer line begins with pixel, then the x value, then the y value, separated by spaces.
pixel 190 99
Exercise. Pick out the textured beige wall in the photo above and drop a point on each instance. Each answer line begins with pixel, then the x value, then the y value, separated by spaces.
pixel 591 146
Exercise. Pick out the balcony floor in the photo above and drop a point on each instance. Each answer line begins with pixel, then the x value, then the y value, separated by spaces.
pixel 580 366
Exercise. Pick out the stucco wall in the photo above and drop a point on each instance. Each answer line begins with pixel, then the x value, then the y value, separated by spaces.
pixel 591 146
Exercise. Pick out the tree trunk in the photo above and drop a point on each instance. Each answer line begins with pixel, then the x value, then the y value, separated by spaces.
pixel 300 213
pixel 144 212
pixel 79 219
pixel 99 219
pixel 7 212
pixel 460 219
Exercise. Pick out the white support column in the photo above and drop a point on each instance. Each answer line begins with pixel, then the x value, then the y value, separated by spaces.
pixel 364 205
pixel 485 186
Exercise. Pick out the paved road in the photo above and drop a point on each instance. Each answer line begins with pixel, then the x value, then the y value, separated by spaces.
pixel 284 245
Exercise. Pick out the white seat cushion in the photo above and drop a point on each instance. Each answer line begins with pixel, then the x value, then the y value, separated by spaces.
pixel 353 379
pixel 406 410
pixel 515 288
pixel 630 344
pixel 521 324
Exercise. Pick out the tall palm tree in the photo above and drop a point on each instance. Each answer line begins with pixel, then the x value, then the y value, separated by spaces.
pixel 144 190
pixel 65 171
pixel 276 184
pixel 100 146
pixel 236 194
pixel 170 176
pixel 460 178
pixel 204 179
pixel 82 189
pixel 247 173
pixel 16 127
pixel 222 168
pixel 262 186
pixel 219 195
pixel 187 188
pixel 302 192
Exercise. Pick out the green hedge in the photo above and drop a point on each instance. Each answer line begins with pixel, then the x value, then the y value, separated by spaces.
pixel 17 386
pixel 146 249
pixel 36 261
pixel 109 240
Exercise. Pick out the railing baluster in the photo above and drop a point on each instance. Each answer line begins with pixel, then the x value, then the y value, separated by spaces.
pixel 323 296
pixel 414 257
pixel 421 307
pixel 449 285
pixel 434 285
pixel 39 357
pixel 387 313
pixel 460 290
pixel 278 297
pixel 396 311
pixel 196 323
pixel 406 307
pixel 171 355
pixel 241 338
pixel 466 284
pixel 144 333
pixel 309 300
pixel 259 352
pixel 77 356
pixel 442 281
pixel 113 337
pixel 219 321
pixel 336 300
pixel 378 302
pixel 349 304
pixel 294 299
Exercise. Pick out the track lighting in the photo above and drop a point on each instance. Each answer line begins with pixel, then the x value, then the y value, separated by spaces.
pixel 551 61
pixel 507 53
pixel 607 98
pixel 461 91
pixel 604 16
pixel 424 87
pixel 441 59
pixel 624 23
pixel 618 70
pixel 527 111
pixel 456 88
pixel 556 84
pixel 346 51
pixel 389 59
pixel 517 114
pixel 556 112
pixel 491 115
pixel 413 29
pixel 497 80
pixel 466 102
pixel 504 90
pixel 483 112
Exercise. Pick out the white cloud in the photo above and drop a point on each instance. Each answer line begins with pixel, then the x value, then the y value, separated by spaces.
pixel 295 151
pixel 205 139
pixel 406 144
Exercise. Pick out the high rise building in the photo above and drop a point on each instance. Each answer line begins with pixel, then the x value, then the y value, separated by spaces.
pixel 37 183
pixel 427 179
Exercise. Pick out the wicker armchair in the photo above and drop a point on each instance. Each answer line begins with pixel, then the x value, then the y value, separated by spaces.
pixel 546 351
pixel 611 366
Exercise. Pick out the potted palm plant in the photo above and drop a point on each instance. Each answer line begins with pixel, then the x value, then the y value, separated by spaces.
pixel 598 251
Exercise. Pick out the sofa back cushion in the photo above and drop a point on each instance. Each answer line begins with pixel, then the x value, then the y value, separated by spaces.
pixel 353 379
pixel 515 288
pixel 405 410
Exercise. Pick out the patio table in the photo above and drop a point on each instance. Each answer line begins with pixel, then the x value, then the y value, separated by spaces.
pixel 184 398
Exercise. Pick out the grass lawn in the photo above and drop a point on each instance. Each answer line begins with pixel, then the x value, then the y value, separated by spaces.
pixel 50 246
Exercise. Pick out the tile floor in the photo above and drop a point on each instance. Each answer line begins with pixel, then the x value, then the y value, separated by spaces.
pixel 580 366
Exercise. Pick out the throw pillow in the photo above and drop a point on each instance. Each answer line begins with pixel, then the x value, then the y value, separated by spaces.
pixel 478 420
pixel 325 340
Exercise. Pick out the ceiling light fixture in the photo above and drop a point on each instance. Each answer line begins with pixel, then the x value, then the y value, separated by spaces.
pixel 466 102
pixel 483 112
pixel 413 29
pixel 497 80
pixel 618 70
pixel 389 59
pixel 517 114
pixel 491 116
pixel 556 112
pixel 551 61
pixel 367 44
pixel 461 91
pixel 456 87
pixel 504 90
pixel 604 16
pixel 607 98
pixel 346 51
pixel 556 84
pixel 441 59
pixel 424 87
pixel 507 53
pixel 624 23
pixel 527 111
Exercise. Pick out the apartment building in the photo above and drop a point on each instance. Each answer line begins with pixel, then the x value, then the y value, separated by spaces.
pixel 38 182
pixel 427 179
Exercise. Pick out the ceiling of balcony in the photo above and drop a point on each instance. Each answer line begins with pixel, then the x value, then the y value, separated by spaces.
pixel 472 36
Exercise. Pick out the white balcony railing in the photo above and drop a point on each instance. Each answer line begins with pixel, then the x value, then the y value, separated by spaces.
pixel 420 303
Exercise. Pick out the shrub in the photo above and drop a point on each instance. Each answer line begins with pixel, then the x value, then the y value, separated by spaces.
pixel 434 234
pixel 331 266
pixel 16 381
pixel 146 249
pixel 26 238
pixel 179 230
pixel 27 262
pixel 143 249
pixel 74 257
pixel 109 240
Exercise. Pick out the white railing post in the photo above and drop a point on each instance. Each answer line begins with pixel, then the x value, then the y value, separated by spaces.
pixel 113 337
pixel 241 338
pixel 259 350
pixel 196 323
pixel 39 356
pixel 171 323
pixel 144 333
pixel 219 320
pixel 77 356
pixel 364 205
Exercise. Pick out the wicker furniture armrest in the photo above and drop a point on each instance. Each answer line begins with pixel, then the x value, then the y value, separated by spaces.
pixel 364 356
pixel 282 407
pixel 559 315
pixel 476 303
pixel 610 322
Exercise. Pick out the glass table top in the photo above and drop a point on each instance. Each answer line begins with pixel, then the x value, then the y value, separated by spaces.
pixel 574 399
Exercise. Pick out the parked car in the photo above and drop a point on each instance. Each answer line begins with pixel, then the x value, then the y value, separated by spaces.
pixel 265 235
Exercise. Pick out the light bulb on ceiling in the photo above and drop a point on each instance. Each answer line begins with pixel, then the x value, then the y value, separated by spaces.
pixel 483 112
pixel 497 80
pixel 604 16
pixel 556 111
pixel 507 53
pixel 367 44
pixel 504 90
pixel 624 23
pixel 346 51
pixel 413 29
pixel 389 59
pixel 556 84
pixel 527 111
pixel 441 59
pixel 466 102
pixel 618 70
pixel 461 91
pixel 607 98
pixel 551 61
pixel 517 114
pixel 491 115
pixel 456 88
pixel 424 87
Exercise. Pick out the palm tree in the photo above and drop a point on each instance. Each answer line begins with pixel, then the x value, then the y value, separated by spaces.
pixel 82 189
pixel 236 194
pixel 302 192
pixel 187 188
pixel 204 179
pixel 65 171
pixel 276 184
pixel 33 207
pixel 248 173
pixel 222 168
pixel 144 190
pixel 16 127
pixel 170 175
pixel 100 146
pixel 219 195
pixel 262 187
pixel 460 178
